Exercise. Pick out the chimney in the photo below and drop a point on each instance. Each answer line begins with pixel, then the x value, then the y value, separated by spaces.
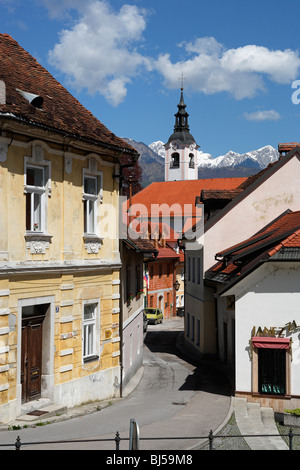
pixel 2 92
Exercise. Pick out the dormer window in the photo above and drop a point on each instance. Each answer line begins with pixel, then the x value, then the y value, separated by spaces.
pixel 175 160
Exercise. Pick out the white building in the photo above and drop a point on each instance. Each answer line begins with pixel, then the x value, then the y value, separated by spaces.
pixel 181 149
pixel 258 294
pixel 254 204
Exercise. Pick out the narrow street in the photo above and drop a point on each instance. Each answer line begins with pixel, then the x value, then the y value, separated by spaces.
pixel 174 399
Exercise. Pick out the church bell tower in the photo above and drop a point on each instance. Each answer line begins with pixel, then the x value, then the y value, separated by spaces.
pixel 181 148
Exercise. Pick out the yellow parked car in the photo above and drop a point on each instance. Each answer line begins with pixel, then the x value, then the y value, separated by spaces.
pixel 154 315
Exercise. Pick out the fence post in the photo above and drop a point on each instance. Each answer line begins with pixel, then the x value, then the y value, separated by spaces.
pixel 291 439
pixel 18 443
pixel 117 440
pixel 210 438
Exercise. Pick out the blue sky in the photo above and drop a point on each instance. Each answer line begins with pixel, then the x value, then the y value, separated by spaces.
pixel 123 61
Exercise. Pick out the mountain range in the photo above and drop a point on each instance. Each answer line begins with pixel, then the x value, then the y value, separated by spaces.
pixel 232 164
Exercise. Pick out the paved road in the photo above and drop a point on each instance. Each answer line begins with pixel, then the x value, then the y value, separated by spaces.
pixel 174 398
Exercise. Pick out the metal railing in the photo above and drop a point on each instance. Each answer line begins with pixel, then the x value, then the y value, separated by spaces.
pixel 210 438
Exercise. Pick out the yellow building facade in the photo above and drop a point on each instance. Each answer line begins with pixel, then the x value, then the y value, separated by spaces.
pixel 59 244
pixel 59 276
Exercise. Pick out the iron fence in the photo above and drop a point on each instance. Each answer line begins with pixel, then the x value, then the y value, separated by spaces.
pixel 210 440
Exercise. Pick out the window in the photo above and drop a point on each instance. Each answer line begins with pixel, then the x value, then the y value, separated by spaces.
pixel 160 270
pixel 272 371
pixel 192 161
pixel 138 279
pixel 89 331
pixel 35 198
pixel 175 160
pixel 198 332
pixel 128 293
pixel 198 270
pixel 90 196
pixel 151 271
pixel 182 300
pixel 193 328
pixel 188 325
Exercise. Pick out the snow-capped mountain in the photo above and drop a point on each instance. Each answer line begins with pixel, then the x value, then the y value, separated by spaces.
pixel 254 159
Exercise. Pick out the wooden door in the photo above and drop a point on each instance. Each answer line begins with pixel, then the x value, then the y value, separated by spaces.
pixel 31 362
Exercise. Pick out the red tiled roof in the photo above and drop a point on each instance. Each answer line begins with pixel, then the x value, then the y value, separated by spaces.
pixel 281 227
pixel 287 147
pixel 167 253
pixel 227 194
pixel 141 244
pixel 181 192
pixel 238 260
pixel 293 241
pixel 60 111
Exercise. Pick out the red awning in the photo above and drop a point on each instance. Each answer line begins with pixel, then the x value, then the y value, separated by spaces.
pixel 270 342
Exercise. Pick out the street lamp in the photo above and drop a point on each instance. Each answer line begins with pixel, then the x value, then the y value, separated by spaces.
pixel 176 285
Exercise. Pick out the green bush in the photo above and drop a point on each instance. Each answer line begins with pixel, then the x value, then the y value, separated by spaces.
pixel 295 412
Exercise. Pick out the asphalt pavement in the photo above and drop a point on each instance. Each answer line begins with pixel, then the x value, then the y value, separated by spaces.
pixel 175 401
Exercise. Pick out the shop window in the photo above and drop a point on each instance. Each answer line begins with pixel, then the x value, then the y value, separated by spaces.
pixel 272 371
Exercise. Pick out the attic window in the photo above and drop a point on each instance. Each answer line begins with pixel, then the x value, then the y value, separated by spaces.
pixel 35 100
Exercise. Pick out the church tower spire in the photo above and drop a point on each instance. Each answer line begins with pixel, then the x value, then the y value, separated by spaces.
pixel 181 148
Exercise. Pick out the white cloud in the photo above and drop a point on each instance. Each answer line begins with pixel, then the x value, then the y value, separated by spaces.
pixel 99 51
pixel 267 115
pixel 280 66
pixel 240 72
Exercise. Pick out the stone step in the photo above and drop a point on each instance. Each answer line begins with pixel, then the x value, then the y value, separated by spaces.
pixel 252 419
pixel 42 413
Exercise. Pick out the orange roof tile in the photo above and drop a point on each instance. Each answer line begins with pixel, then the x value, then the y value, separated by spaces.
pixel 281 227
pixel 238 260
pixel 181 192
pixel 167 253
pixel 60 111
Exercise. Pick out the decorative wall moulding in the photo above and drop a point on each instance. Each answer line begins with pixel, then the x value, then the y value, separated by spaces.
pixel 92 243
pixel 37 243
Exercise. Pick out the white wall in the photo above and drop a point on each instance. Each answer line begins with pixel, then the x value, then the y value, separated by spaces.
pixel 269 297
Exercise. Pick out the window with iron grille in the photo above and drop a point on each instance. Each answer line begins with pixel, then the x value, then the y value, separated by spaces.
pixel 272 371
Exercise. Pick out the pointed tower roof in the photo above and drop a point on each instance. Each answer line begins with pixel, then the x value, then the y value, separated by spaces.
pixel 181 132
